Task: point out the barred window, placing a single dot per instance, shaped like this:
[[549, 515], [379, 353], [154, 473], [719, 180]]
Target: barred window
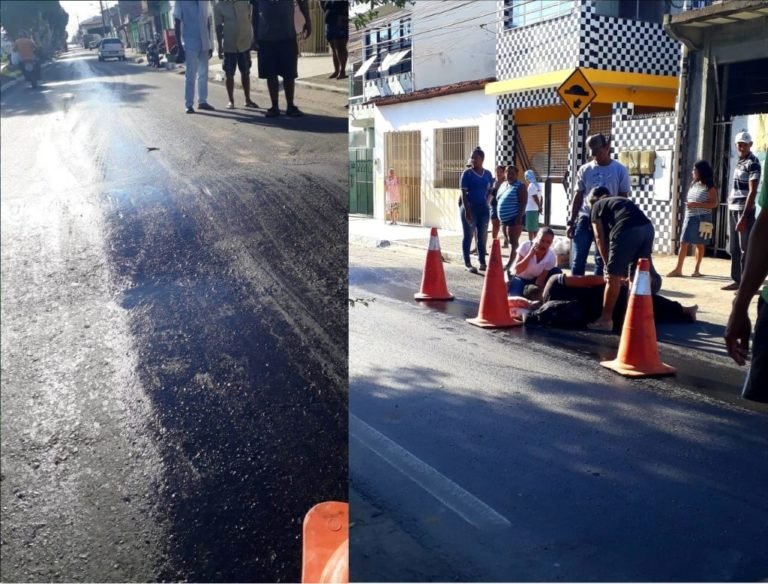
[[452, 149]]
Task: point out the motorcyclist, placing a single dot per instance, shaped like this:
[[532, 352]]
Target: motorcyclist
[[27, 51]]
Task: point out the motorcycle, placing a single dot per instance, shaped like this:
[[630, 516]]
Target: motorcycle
[[31, 72], [153, 55]]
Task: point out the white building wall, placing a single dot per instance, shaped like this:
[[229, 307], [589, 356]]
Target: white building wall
[[439, 206], [449, 44]]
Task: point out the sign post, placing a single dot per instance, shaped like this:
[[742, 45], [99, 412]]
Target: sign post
[[576, 93]]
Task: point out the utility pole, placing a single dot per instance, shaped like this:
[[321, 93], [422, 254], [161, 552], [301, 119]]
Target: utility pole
[[103, 21]]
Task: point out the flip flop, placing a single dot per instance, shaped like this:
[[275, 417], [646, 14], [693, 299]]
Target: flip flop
[[675, 274], [697, 275], [600, 326], [252, 105]]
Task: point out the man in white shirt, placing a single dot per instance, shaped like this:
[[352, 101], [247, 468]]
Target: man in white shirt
[[193, 22], [602, 171]]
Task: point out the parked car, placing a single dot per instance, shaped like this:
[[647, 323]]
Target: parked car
[[111, 49]]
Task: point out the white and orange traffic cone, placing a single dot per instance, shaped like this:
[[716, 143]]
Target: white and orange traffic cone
[[638, 349], [433, 285], [325, 556], [494, 308]]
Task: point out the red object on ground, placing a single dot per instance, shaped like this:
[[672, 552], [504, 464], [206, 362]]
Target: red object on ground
[[638, 349], [325, 556], [433, 285], [494, 307]]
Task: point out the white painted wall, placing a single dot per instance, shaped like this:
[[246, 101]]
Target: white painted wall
[[449, 44], [439, 206]]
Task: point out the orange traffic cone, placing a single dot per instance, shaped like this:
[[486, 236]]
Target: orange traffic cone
[[638, 350], [494, 309], [433, 286], [326, 544]]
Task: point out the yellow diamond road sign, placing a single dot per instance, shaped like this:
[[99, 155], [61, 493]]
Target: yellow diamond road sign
[[576, 92]]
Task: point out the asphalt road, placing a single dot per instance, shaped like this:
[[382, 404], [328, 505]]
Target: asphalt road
[[174, 326], [481, 455]]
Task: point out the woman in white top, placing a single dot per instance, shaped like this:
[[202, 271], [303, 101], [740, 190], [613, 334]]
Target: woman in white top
[[697, 225], [533, 207], [535, 263]]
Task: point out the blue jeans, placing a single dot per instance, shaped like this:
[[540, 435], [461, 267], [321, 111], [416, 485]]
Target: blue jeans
[[582, 242], [517, 285], [481, 215]]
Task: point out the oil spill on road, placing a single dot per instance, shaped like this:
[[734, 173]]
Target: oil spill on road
[[250, 433]]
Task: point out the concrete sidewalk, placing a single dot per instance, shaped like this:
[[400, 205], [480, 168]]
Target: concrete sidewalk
[[714, 304], [314, 71]]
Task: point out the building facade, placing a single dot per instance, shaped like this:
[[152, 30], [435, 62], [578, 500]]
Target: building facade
[[632, 66], [418, 106], [726, 87]]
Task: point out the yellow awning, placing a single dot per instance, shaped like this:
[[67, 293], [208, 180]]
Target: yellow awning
[[608, 84]]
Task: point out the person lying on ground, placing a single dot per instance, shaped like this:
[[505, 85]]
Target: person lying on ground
[[534, 264], [575, 301]]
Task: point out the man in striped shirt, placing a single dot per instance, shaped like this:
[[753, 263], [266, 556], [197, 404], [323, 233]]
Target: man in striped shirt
[[741, 206]]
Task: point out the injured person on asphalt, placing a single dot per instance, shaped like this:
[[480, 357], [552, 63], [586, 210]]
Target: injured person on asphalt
[[574, 301]]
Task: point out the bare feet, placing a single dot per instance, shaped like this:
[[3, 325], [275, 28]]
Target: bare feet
[[675, 274], [601, 325], [690, 311], [697, 274]]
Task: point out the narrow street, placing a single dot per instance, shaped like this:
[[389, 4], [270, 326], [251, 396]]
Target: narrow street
[[174, 325], [511, 455]]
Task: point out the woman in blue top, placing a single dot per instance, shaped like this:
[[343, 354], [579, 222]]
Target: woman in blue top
[[513, 197], [475, 210]]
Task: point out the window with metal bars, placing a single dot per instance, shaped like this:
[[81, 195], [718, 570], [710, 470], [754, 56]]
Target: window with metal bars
[[452, 149]]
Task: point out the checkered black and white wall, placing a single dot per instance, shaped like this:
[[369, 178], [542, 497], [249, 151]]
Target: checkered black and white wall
[[655, 133]]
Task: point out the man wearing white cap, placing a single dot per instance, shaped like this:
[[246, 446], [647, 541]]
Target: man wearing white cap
[[741, 206]]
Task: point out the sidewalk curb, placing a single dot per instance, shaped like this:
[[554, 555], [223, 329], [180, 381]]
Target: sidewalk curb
[[448, 256], [15, 82], [213, 73]]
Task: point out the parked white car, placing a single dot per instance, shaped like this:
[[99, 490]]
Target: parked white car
[[111, 49]]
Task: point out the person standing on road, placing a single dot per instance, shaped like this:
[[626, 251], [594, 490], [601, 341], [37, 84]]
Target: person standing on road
[[533, 208], [337, 34], [741, 206], [194, 28], [739, 327], [535, 263], [501, 177], [234, 37], [275, 36], [513, 197], [602, 171], [392, 195], [475, 210], [697, 225], [623, 235]]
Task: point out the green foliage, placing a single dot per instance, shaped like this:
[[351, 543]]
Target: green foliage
[[46, 20], [362, 19]]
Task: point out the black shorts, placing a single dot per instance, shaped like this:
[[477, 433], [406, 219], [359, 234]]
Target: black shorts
[[278, 58], [234, 61], [756, 385]]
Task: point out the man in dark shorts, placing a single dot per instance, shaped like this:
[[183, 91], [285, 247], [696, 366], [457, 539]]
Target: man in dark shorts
[[275, 36], [623, 235], [234, 37]]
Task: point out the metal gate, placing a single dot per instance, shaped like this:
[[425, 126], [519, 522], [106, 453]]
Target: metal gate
[[544, 148], [361, 181], [403, 153]]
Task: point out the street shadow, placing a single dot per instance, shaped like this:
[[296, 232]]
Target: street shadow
[[54, 96], [675, 293], [699, 336], [570, 465], [310, 123]]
